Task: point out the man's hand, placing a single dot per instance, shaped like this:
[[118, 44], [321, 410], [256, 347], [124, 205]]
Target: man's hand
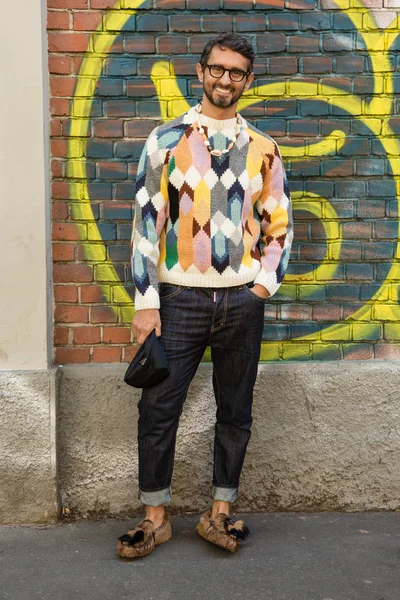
[[144, 322], [260, 290]]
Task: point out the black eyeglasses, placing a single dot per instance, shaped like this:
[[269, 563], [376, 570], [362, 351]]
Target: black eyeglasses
[[235, 75]]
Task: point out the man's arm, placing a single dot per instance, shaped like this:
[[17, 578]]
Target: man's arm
[[150, 216], [275, 209]]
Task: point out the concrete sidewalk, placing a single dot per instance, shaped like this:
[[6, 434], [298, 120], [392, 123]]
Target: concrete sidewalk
[[327, 556]]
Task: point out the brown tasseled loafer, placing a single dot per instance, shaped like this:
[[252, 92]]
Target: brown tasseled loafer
[[143, 539], [222, 531]]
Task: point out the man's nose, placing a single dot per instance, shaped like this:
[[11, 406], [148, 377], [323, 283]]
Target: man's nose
[[225, 79]]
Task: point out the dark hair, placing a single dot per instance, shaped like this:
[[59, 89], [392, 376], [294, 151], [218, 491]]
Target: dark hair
[[234, 42]]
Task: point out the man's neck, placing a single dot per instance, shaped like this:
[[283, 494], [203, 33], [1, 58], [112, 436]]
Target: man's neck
[[214, 112]]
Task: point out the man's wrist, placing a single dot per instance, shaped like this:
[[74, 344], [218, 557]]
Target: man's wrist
[[260, 290]]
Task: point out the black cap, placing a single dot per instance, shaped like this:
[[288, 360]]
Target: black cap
[[149, 366]]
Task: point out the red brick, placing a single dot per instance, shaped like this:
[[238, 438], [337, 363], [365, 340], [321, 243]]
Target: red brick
[[197, 43], [82, 4], [55, 126], [238, 4], [60, 190], [57, 20], [59, 107], [57, 168], [86, 21], [62, 86], [65, 293], [58, 147], [106, 355], [387, 351], [129, 352], [350, 309], [77, 62], [343, 83], [68, 42], [109, 128], [303, 43], [65, 356], [66, 127], [168, 44], [327, 312], [283, 65], [301, 233], [112, 170], [357, 230], [296, 312], [312, 251], [59, 210], [263, 4], [65, 231], [72, 273], [86, 335], [102, 3], [136, 89], [60, 335], [358, 352], [61, 65], [342, 169], [65, 313], [63, 252], [91, 293], [117, 46], [80, 255], [116, 335], [139, 128], [169, 4], [100, 314], [317, 64], [133, 169], [300, 4], [142, 44]]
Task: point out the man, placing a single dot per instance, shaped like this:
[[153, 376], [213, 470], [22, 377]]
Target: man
[[211, 243]]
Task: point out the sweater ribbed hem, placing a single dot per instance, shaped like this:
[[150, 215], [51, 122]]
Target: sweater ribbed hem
[[152, 299], [210, 279]]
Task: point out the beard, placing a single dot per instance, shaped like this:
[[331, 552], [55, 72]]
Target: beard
[[222, 101]]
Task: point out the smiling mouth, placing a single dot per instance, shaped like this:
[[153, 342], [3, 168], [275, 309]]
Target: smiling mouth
[[223, 91]]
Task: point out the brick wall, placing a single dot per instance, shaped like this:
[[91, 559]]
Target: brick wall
[[327, 74]]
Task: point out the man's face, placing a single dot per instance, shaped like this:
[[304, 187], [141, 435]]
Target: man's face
[[223, 92]]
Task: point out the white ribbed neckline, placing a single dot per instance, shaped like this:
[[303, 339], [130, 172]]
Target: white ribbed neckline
[[218, 124]]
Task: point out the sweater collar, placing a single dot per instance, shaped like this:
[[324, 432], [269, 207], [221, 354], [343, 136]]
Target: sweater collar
[[213, 124]]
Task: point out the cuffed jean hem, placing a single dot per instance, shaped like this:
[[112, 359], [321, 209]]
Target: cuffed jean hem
[[155, 498], [225, 494]]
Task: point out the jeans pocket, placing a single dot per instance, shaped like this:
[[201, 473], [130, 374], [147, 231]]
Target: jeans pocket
[[169, 290], [253, 295]]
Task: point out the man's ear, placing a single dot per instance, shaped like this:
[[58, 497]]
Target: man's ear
[[249, 81], [200, 72]]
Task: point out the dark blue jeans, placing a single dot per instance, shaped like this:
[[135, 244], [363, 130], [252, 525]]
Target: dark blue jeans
[[230, 321]]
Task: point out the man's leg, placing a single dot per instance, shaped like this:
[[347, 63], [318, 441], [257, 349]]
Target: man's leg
[[235, 349], [185, 325]]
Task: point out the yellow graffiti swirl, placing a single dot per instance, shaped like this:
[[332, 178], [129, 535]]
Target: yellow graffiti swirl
[[173, 104]]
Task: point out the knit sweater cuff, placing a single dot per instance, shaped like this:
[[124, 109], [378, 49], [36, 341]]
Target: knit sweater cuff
[[150, 299], [268, 280]]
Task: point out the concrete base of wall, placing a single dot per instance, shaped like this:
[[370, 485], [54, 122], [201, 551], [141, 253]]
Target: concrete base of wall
[[325, 437], [28, 477]]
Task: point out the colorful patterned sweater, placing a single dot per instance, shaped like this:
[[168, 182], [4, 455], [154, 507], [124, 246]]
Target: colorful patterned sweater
[[209, 221]]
